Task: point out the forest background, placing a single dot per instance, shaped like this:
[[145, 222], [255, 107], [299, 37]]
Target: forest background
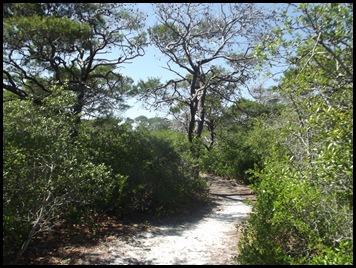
[[69, 156]]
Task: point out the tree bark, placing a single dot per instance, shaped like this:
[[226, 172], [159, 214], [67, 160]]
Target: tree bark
[[78, 108]]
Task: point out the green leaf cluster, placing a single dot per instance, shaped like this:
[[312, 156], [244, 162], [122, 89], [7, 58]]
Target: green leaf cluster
[[304, 208], [157, 180], [239, 145], [47, 174]]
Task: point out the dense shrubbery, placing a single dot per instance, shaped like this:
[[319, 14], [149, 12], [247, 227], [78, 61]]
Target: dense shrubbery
[[158, 178], [304, 208], [233, 156], [238, 146], [49, 175], [57, 167]]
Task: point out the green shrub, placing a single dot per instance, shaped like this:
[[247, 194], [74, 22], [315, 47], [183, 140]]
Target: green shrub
[[46, 173], [233, 155], [293, 220], [303, 213], [158, 178]]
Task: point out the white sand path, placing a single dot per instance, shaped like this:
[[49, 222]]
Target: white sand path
[[208, 238]]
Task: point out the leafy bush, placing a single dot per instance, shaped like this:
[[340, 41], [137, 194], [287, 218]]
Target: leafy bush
[[304, 208], [294, 221], [238, 143], [234, 155], [303, 213], [158, 178], [46, 173]]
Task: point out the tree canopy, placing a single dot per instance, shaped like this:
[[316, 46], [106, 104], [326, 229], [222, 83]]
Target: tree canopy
[[66, 44]]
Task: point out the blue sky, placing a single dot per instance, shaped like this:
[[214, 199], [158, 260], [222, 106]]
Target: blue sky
[[150, 65]]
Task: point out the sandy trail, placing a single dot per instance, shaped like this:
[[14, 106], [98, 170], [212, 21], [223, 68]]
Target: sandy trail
[[208, 237], [205, 235]]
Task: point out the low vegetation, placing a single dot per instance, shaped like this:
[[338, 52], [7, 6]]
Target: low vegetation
[[67, 157], [108, 168]]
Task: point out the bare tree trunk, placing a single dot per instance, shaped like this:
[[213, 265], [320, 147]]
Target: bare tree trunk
[[200, 112], [78, 108], [191, 122]]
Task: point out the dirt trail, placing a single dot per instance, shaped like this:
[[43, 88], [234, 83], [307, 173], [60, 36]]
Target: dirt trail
[[207, 236]]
